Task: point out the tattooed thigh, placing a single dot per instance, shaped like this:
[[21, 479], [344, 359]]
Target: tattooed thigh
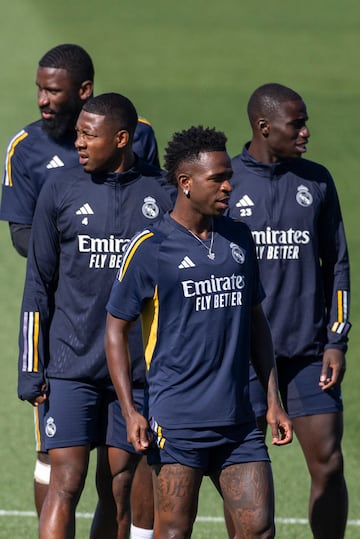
[[176, 489], [248, 493]]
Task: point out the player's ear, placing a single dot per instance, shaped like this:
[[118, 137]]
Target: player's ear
[[263, 126], [86, 90], [122, 138], [183, 181]]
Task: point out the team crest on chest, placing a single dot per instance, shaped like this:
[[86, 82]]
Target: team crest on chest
[[150, 209], [238, 253], [303, 196]]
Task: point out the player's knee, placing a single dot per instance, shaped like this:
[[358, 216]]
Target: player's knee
[[328, 469], [121, 487], [176, 526], [42, 472]]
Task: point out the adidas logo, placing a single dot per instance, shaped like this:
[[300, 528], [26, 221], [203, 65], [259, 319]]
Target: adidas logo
[[186, 263], [244, 202], [85, 210], [55, 162]]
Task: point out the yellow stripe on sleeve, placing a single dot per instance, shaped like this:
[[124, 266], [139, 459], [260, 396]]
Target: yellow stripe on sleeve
[[143, 120], [36, 341], [340, 306], [8, 176], [150, 319], [131, 251]]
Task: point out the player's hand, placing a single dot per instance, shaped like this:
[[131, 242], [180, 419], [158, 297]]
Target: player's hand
[[139, 434], [333, 368], [280, 425], [40, 398]]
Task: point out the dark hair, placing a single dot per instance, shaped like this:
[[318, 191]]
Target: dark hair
[[116, 108], [71, 57], [188, 144], [266, 99]]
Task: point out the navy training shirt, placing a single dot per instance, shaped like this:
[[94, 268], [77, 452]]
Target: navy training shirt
[[196, 316], [81, 228]]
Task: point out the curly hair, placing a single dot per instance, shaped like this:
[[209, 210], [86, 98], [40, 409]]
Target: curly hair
[[116, 108], [266, 99], [71, 57], [188, 144]]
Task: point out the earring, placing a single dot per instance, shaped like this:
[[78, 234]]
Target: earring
[[186, 193]]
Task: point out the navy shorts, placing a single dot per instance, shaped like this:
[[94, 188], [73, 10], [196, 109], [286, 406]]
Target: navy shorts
[[299, 388], [76, 413], [116, 432], [209, 449]]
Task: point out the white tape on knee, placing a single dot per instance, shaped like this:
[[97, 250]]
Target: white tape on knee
[[140, 533], [42, 473]]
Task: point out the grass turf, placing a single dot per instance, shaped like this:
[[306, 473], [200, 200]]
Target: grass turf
[[183, 64]]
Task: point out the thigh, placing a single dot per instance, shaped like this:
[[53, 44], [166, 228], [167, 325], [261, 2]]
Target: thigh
[[69, 467], [248, 493], [122, 461], [319, 436], [176, 492], [73, 414], [142, 499]]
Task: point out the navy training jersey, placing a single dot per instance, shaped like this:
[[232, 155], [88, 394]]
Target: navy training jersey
[[32, 157], [293, 211], [196, 316], [82, 225]]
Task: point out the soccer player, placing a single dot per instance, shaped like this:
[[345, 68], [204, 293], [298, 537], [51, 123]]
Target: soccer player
[[292, 208], [193, 278], [83, 221], [65, 79]]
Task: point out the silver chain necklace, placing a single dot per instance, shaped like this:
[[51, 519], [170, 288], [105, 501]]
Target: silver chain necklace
[[211, 254]]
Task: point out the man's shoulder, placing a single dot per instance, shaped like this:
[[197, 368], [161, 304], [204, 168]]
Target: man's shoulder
[[62, 180], [144, 125], [308, 166], [149, 170], [233, 227], [28, 135], [33, 136], [157, 232]]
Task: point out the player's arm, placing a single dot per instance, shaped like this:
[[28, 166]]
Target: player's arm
[[336, 284], [118, 360], [38, 301], [264, 364], [20, 237], [19, 192]]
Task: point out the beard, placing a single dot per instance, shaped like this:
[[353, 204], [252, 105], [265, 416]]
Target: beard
[[64, 120]]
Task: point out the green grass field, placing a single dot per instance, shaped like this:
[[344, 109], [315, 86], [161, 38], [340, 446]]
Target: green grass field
[[185, 63]]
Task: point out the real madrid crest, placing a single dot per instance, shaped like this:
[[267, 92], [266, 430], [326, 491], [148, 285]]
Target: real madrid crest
[[303, 196], [150, 209], [50, 428], [238, 253]]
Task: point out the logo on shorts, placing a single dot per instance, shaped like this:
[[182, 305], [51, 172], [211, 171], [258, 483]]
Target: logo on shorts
[[150, 209], [50, 428], [238, 253], [159, 439], [303, 196]]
